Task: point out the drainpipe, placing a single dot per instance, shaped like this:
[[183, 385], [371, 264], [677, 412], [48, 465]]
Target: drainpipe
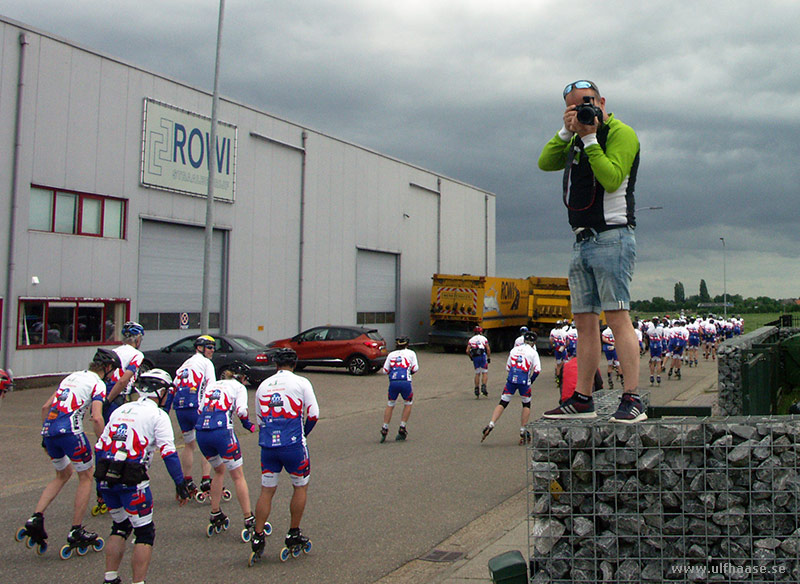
[[304, 138], [12, 214]]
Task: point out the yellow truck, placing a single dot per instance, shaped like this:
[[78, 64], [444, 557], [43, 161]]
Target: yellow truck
[[500, 306]]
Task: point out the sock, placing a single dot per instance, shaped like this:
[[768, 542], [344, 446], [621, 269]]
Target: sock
[[206, 477], [386, 426], [581, 397], [491, 424], [110, 576], [402, 424]]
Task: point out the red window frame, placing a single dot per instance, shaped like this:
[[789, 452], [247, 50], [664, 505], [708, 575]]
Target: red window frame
[[81, 197], [107, 302]]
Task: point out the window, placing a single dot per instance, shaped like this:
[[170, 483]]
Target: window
[[76, 213], [70, 321]]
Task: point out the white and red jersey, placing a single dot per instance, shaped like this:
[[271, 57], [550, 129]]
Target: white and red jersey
[[607, 336], [572, 335], [284, 402], [134, 431], [400, 365], [131, 359], [478, 344], [523, 364], [558, 338], [73, 397], [219, 403], [655, 333], [190, 381]]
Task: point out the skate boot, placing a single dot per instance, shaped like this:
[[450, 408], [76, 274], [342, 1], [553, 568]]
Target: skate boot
[[192, 488], [658, 380], [524, 437], [484, 391], [477, 392], [33, 533], [669, 375], [204, 493], [402, 434], [257, 544], [100, 507], [217, 523], [249, 527], [114, 581], [610, 383], [81, 540], [384, 433], [678, 374], [294, 544], [486, 431], [652, 380]]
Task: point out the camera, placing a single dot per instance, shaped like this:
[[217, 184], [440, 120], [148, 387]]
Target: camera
[[588, 112]]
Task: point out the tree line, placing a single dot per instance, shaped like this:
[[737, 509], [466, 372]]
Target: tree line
[[736, 303]]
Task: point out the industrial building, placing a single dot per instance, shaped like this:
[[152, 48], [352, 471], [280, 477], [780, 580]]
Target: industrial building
[[104, 175]]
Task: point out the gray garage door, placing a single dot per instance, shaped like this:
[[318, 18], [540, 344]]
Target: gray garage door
[[376, 292], [171, 281]]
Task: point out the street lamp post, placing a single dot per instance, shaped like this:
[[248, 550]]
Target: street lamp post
[[724, 280]]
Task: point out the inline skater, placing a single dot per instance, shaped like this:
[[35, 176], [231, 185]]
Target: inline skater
[[680, 337], [121, 380], [694, 341], [655, 334], [287, 412], [191, 379], [610, 351], [480, 353], [68, 448], [400, 365], [6, 383], [523, 366], [219, 403], [125, 451], [558, 343]]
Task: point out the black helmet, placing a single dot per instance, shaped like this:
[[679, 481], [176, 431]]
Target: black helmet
[[529, 337], [284, 356], [401, 341], [205, 341], [238, 369], [106, 357]]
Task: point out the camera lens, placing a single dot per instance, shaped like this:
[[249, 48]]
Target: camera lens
[[586, 115]]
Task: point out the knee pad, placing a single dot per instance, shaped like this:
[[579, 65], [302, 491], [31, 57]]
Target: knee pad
[[145, 534], [526, 404], [391, 403], [503, 403], [122, 529]]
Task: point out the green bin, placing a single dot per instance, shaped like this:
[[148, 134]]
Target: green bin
[[509, 568], [791, 360]]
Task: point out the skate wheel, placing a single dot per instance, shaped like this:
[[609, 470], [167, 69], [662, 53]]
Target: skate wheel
[[297, 550], [307, 547], [251, 561], [82, 551], [41, 548], [65, 553], [210, 530], [226, 495], [285, 553], [267, 528], [227, 523], [95, 511], [245, 535], [200, 497], [20, 535], [29, 543], [217, 529], [99, 544]]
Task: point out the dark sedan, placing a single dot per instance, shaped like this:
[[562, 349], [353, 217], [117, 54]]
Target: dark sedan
[[230, 348]]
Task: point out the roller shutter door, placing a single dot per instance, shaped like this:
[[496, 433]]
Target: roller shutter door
[[171, 281], [376, 292]]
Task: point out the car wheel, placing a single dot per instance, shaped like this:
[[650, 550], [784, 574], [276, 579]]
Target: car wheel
[[358, 365]]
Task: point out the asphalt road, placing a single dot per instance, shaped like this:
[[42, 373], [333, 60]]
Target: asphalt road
[[372, 507]]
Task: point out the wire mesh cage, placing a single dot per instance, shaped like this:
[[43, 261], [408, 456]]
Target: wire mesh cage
[[669, 500]]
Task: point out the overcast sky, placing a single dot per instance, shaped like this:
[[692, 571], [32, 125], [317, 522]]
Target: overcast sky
[[472, 90]]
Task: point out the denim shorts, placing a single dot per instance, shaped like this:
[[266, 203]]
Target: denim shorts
[[601, 270]]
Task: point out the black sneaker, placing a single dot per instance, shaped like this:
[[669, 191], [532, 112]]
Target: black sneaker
[[630, 410], [572, 408]]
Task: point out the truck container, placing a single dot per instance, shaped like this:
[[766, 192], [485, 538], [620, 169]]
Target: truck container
[[499, 305]]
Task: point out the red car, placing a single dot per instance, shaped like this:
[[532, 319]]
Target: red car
[[359, 349]]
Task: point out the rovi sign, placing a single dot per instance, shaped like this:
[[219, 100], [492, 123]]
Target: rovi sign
[[175, 152]]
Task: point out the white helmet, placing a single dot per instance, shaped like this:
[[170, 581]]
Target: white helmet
[[153, 383]]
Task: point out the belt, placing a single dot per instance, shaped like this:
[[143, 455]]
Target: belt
[[584, 233]]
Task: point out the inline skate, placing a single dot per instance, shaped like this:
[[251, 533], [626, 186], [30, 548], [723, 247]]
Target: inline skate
[[100, 507], [33, 533], [257, 544], [217, 523], [524, 438], [294, 544], [384, 433], [486, 431], [81, 540], [402, 434], [203, 495], [250, 528]]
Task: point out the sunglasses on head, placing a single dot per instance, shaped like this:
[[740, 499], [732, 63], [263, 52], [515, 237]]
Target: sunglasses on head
[[583, 84]]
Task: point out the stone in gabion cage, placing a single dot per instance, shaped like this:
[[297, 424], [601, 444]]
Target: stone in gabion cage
[[672, 500]]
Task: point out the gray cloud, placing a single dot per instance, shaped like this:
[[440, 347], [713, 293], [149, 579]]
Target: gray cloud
[[472, 90]]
